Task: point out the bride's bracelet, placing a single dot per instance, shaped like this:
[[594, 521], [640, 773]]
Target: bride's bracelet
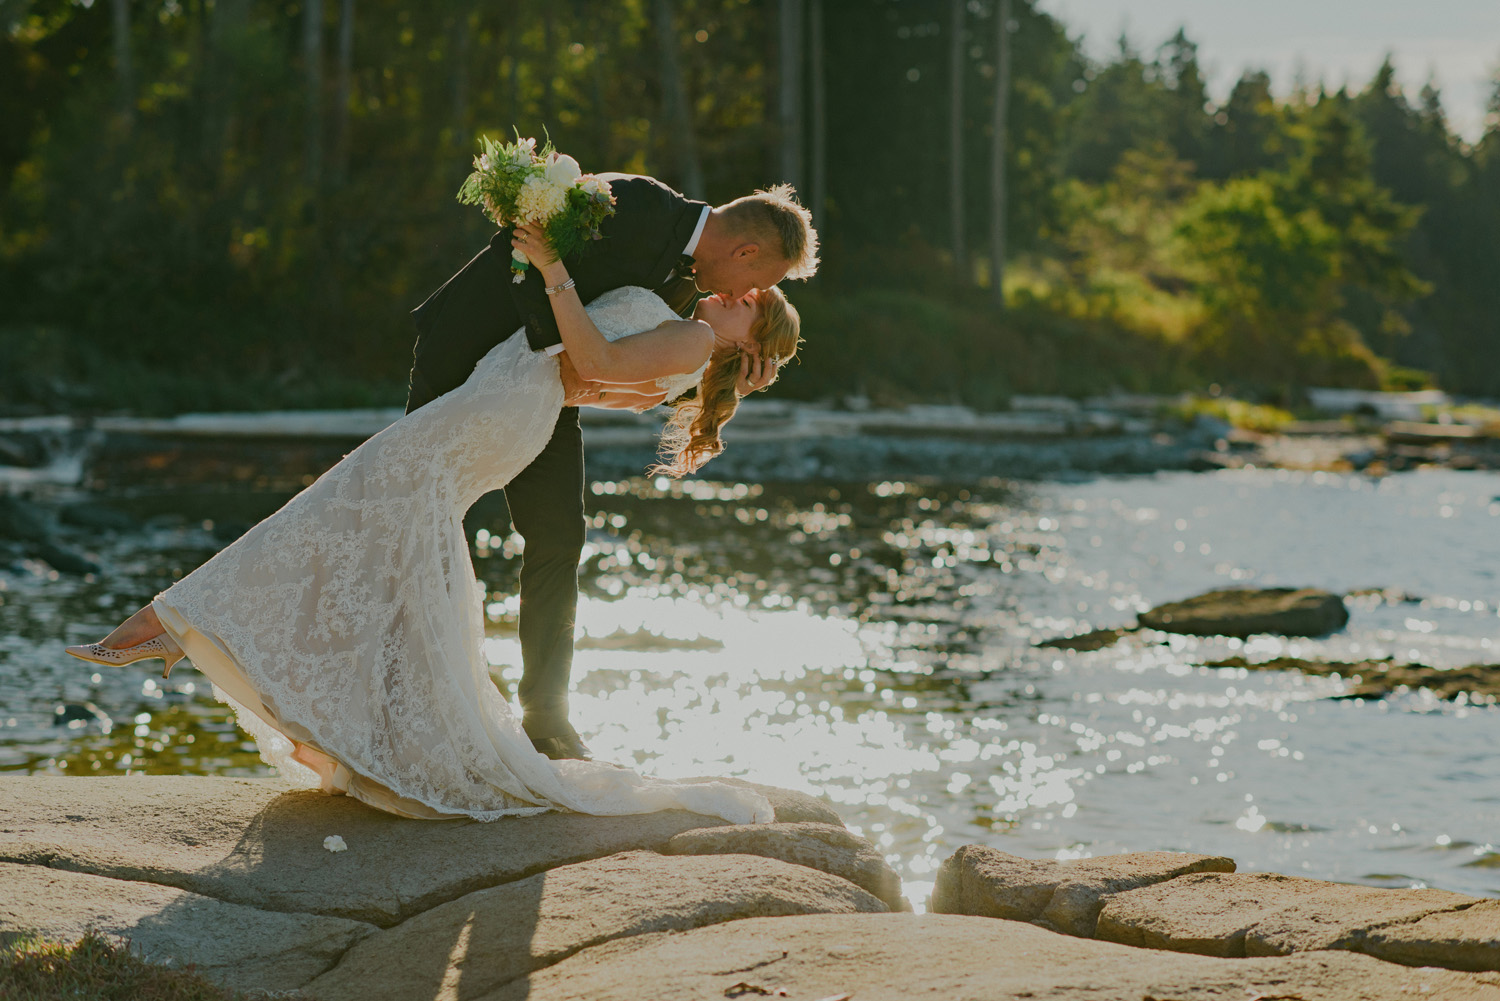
[[557, 289]]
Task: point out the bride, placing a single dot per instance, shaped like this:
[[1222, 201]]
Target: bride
[[345, 630]]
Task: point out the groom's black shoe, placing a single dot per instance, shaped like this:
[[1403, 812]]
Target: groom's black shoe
[[555, 738], [566, 746]]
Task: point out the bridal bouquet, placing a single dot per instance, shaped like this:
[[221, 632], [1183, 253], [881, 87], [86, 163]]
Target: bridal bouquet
[[514, 182]]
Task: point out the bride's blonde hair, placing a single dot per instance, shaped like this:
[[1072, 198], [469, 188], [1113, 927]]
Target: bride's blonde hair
[[691, 435]]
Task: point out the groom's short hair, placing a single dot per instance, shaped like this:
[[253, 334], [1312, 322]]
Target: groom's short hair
[[774, 218]]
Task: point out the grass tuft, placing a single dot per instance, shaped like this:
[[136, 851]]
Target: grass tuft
[[1238, 413], [96, 968]]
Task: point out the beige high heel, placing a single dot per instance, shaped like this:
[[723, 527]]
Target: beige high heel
[[162, 646]]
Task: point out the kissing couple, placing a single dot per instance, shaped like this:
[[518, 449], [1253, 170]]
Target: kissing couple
[[345, 630]]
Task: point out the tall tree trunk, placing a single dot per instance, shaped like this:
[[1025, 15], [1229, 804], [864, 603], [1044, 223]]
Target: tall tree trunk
[[678, 111], [312, 64], [997, 153], [819, 192], [345, 78], [549, 66], [789, 94], [124, 64], [513, 70], [226, 24], [602, 145], [956, 63], [458, 120]]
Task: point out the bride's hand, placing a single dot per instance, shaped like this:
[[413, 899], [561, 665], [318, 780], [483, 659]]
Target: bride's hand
[[532, 241]]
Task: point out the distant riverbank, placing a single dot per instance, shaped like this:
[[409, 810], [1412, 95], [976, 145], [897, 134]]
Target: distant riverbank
[[781, 440]]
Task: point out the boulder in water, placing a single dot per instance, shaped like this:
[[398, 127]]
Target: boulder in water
[[1283, 611]]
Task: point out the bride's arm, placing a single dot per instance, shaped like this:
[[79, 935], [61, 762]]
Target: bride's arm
[[675, 346], [625, 398]]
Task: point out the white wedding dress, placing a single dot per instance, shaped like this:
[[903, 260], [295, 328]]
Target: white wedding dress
[[345, 630]]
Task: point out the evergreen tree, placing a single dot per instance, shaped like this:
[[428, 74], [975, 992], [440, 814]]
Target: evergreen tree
[[1247, 130], [1282, 252]]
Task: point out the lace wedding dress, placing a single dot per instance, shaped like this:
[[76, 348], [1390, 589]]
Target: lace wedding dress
[[345, 630]]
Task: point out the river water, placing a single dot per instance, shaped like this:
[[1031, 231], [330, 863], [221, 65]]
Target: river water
[[874, 643]]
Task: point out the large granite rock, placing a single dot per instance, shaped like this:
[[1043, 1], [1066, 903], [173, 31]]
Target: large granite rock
[[239, 947], [1067, 896], [1262, 914], [820, 846], [231, 875], [1243, 612], [490, 938], [874, 957], [1467, 939], [250, 841]]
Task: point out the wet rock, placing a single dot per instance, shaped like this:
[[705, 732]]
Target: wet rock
[[1375, 679], [254, 842], [23, 520], [487, 939], [1096, 640], [63, 559], [1244, 612], [864, 456], [819, 846], [239, 947], [85, 713], [1389, 595], [1208, 427], [1459, 940], [97, 517], [25, 451], [1206, 461], [1261, 914], [227, 530], [883, 956], [1068, 896]]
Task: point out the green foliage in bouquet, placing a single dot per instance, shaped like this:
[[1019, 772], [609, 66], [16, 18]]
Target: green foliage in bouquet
[[516, 182]]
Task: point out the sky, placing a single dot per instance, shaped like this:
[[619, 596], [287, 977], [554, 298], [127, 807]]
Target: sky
[[1454, 42]]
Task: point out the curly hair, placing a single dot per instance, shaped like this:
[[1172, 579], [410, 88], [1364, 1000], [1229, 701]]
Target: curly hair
[[691, 435]]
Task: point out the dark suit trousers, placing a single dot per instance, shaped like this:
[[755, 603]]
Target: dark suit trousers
[[546, 508]]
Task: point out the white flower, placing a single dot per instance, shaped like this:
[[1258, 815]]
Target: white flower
[[540, 200], [596, 187], [334, 843], [485, 163], [562, 169], [523, 153]]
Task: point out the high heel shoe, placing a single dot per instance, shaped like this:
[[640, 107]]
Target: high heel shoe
[[161, 646]]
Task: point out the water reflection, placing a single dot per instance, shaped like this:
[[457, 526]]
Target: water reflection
[[874, 643]]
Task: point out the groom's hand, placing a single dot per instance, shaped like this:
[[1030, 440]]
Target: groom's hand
[[577, 391], [756, 373]]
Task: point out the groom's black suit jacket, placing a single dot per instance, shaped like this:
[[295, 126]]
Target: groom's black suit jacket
[[477, 308]]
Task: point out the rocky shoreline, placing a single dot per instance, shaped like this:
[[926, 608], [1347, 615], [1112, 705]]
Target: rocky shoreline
[[231, 876], [1284, 611], [771, 439]]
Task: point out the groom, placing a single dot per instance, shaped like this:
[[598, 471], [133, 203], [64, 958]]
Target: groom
[[656, 239]]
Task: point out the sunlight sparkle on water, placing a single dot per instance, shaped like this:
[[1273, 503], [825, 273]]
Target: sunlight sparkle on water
[[874, 644], [684, 688]]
